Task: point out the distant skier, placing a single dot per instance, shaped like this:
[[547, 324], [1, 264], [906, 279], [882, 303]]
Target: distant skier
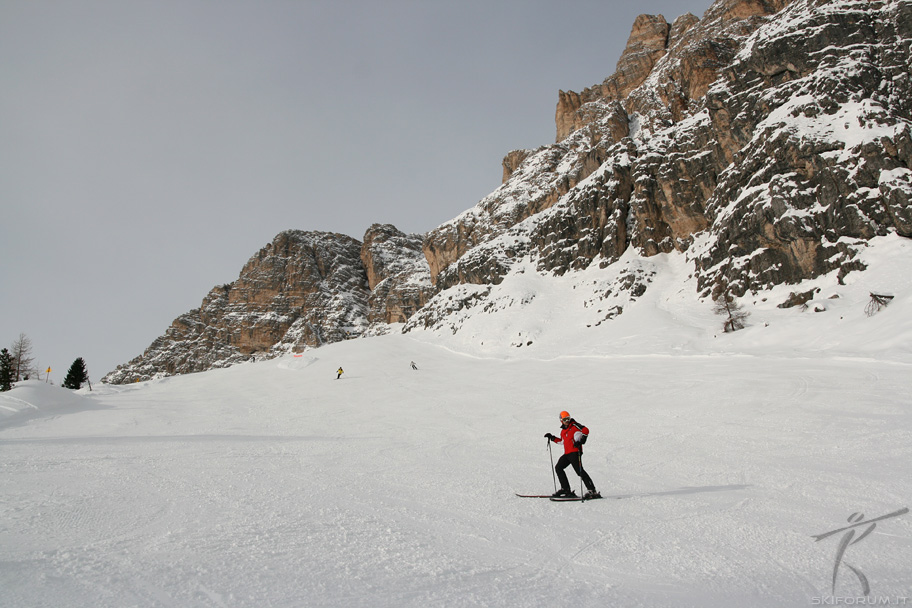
[[573, 435], [339, 373], [414, 367]]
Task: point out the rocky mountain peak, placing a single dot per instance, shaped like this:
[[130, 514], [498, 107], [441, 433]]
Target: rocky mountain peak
[[698, 49], [303, 289]]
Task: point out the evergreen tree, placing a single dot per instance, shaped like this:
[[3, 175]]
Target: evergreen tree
[[76, 375], [6, 370]]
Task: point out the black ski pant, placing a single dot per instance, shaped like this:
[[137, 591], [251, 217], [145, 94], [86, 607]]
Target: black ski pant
[[568, 460]]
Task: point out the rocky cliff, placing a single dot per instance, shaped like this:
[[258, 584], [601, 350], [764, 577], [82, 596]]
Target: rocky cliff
[[765, 141], [304, 289]]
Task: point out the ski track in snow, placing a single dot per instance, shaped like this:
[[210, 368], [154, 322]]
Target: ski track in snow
[[274, 484]]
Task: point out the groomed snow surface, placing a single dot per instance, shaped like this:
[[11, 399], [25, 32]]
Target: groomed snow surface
[[275, 484]]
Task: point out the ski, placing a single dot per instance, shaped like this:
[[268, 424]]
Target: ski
[[573, 498], [563, 498]]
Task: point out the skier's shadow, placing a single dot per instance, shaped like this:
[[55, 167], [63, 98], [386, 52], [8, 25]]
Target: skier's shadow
[[684, 491]]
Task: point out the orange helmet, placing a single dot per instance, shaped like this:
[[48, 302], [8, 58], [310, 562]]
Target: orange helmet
[[564, 415]]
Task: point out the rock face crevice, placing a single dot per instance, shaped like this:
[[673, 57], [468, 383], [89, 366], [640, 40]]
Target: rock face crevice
[[398, 274], [767, 141]]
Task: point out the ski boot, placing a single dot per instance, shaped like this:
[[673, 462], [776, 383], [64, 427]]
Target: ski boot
[[562, 493]]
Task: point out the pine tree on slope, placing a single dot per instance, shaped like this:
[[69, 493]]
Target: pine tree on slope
[[6, 370], [76, 375]]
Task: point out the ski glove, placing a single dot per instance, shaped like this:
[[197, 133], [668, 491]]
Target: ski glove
[[549, 436], [579, 438]]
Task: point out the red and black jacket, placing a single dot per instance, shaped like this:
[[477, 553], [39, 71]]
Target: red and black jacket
[[567, 435]]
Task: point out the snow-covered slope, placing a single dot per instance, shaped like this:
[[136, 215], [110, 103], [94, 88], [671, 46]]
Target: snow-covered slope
[[274, 484], [541, 316]]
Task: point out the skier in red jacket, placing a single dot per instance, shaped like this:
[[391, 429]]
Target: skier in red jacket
[[573, 435]]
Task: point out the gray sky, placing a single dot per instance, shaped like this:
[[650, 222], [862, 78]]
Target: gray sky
[[149, 148]]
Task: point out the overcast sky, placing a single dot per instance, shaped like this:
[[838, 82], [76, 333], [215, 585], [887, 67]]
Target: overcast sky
[[149, 148]]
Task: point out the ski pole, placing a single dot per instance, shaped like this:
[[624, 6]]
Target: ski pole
[[581, 472], [553, 477]]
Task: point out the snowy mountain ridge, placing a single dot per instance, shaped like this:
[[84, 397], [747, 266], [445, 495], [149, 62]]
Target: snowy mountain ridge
[[767, 143]]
